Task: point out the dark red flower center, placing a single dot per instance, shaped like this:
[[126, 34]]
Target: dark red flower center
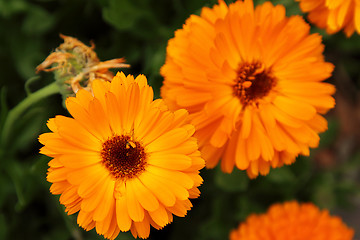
[[123, 157], [253, 82]]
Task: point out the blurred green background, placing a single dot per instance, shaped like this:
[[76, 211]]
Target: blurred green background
[[139, 30]]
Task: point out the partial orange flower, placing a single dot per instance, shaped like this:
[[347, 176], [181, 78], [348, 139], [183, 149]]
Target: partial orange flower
[[76, 66], [293, 221], [333, 15], [123, 161], [252, 81]]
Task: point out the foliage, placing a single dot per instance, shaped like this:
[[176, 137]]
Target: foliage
[[139, 30]]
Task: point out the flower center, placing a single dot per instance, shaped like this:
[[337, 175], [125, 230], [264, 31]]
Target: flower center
[[123, 157], [253, 82]]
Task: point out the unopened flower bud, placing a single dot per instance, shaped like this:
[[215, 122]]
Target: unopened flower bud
[[76, 66]]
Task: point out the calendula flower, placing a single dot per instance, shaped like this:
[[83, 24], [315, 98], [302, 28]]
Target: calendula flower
[[123, 161], [293, 221], [333, 15], [77, 65], [252, 81]]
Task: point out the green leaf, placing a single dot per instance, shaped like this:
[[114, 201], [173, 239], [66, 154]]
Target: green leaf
[[5, 189], [38, 21], [8, 8], [26, 54], [323, 193], [329, 136], [4, 107], [246, 207], [3, 226], [234, 182], [28, 128], [16, 173], [123, 14], [281, 175]]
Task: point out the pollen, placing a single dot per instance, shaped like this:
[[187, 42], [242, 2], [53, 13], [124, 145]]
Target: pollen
[[253, 82], [123, 157]]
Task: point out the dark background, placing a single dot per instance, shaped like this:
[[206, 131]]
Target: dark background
[[139, 30]]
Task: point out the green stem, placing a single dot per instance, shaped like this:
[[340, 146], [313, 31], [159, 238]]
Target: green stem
[[16, 112]]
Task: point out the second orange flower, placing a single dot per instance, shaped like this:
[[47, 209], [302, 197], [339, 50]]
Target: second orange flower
[[252, 81], [333, 15], [291, 221]]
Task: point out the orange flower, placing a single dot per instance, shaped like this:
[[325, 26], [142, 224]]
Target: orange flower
[[252, 83], [292, 221], [124, 161], [333, 15]]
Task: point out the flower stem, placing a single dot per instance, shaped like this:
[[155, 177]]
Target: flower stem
[[18, 110]]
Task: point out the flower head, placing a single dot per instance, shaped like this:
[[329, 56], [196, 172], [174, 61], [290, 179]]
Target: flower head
[[292, 221], [77, 65], [252, 81], [123, 161], [333, 15]]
